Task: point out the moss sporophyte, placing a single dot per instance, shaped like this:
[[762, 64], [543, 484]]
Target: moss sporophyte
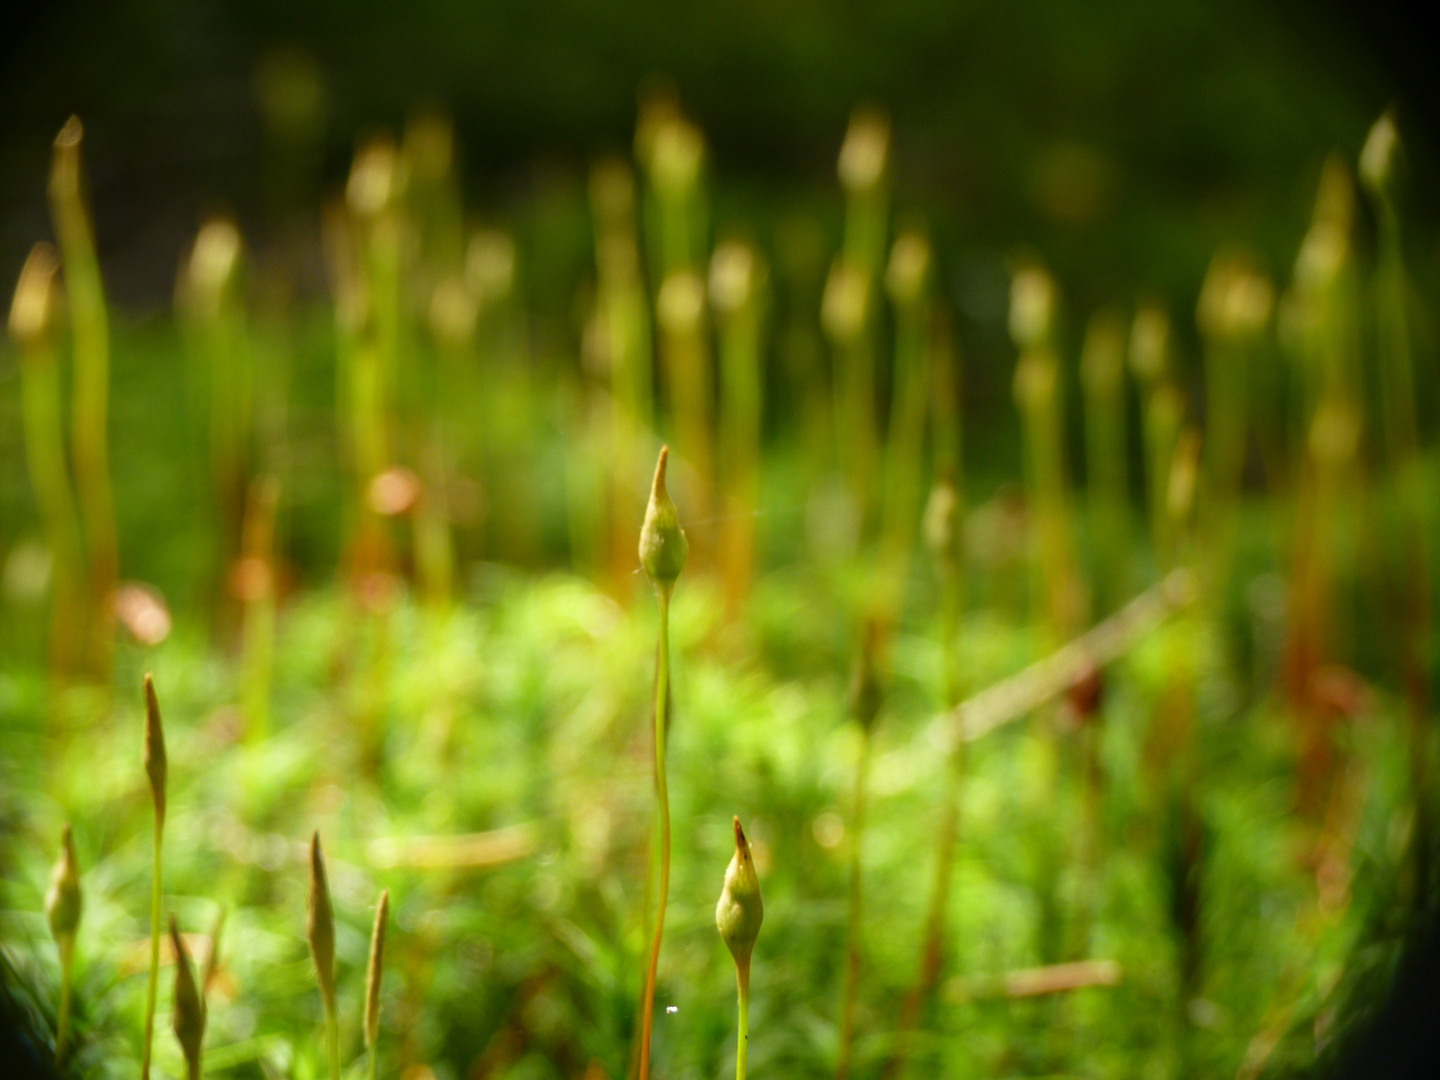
[[738, 916], [663, 549]]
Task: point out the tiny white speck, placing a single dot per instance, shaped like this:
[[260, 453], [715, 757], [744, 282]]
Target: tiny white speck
[[672, 1008]]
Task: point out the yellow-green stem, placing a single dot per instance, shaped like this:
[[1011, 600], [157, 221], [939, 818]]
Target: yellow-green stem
[[854, 918], [332, 1040], [62, 1022], [90, 334], [742, 981], [662, 799], [153, 985]]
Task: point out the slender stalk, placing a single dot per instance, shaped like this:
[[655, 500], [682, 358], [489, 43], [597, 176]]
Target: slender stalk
[[373, 971], [1102, 373], [62, 1021], [153, 983], [90, 333], [737, 278], [320, 930], [156, 768], [662, 802], [33, 315], [854, 915], [742, 1040], [1397, 399], [738, 916], [63, 904], [663, 551]]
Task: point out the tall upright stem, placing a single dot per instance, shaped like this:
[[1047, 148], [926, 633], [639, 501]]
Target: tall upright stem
[[62, 1022], [154, 983], [332, 1040], [662, 798], [853, 918], [742, 980]]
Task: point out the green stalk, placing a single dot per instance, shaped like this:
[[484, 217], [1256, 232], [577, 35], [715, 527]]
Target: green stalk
[[742, 1039], [662, 802], [62, 1021], [33, 315], [1102, 373], [1397, 398], [854, 915], [663, 551], [906, 279], [736, 278], [256, 585], [89, 328], [866, 698], [155, 769], [63, 905]]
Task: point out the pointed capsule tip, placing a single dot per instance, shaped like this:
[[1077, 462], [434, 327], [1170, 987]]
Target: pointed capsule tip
[[657, 487], [71, 133]]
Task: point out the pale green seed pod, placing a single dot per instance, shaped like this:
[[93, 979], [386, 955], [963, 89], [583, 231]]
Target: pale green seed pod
[[155, 762], [375, 968], [663, 547], [189, 1019], [740, 911], [320, 924], [62, 900]]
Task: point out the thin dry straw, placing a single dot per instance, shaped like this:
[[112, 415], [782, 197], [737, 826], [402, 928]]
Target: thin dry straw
[[90, 337], [1049, 677], [155, 770]]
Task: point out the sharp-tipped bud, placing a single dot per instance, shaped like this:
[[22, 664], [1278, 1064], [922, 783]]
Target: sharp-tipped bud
[[65, 161], [676, 156], [940, 525], [490, 265], [846, 301], [189, 1005], [732, 277], [1377, 159], [1149, 344], [1102, 362], [865, 150], [155, 765], [681, 302], [37, 294], [375, 178], [663, 546], [62, 899], [212, 958], [375, 968], [320, 924], [1184, 476], [740, 911], [1032, 306], [867, 691], [909, 269], [1235, 300]]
